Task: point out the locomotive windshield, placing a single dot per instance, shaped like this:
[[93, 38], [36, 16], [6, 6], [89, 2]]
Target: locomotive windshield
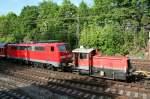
[[63, 48]]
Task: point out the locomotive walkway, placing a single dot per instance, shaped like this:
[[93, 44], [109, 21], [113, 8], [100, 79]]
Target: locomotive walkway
[[73, 85]]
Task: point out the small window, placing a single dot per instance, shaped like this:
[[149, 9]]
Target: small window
[[52, 48], [17, 47], [83, 56], [22, 47], [39, 48], [30, 48]]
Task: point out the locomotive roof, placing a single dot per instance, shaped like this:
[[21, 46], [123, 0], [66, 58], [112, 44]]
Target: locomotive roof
[[37, 44], [83, 50]]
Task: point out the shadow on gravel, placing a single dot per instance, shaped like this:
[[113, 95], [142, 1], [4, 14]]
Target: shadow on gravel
[[30, 92], [100, 87]]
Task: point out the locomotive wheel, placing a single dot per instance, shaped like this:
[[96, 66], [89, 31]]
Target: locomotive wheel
[[44, 66], [54, 68], [35, 65], [41, 65], [49, 67]]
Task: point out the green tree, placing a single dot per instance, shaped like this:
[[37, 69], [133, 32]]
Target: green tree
[[113, 26], [83, 13], [28, 22], [68, 22], [108, 39], [47, 20], [8, 27]]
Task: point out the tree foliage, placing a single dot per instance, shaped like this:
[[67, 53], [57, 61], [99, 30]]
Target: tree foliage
[[108, 39], [113, 26]]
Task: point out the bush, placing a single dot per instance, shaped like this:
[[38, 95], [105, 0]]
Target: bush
[[108, 39]]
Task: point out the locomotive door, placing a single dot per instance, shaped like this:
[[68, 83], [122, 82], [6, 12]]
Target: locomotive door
[[51, 53], [76, 61], [83, 60], [90, 58]]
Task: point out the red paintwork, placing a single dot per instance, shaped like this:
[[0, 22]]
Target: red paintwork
[[106, 62], [110, 62], [46, 55], [83, 62]]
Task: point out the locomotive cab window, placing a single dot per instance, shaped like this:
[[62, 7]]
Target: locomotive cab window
[[30, 48], [83, 56], [63, 48]]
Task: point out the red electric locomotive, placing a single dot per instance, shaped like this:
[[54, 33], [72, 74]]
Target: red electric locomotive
[[53, 54], [112, 67]]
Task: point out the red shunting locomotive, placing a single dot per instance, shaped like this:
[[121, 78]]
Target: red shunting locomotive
[[90, 61]]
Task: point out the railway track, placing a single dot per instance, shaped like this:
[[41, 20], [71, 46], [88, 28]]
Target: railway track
[[141, 64], [79, 86], [101, 86], [28, 87], [61, 86], [10, 90]]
